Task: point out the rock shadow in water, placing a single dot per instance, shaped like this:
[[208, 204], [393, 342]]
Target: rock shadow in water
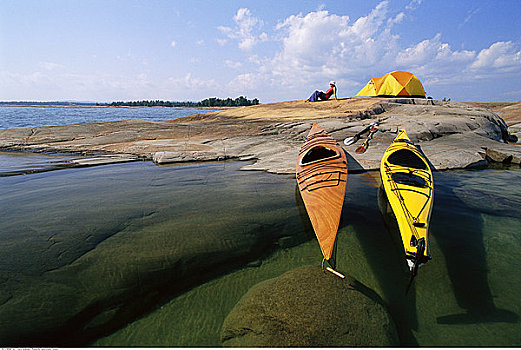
[[458, 230], [377, 238]]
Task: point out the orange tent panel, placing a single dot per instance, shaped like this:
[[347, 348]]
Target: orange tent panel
[[397, 83]]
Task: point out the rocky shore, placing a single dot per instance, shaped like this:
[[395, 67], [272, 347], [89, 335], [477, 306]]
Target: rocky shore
[[452, 135], [63, 287]]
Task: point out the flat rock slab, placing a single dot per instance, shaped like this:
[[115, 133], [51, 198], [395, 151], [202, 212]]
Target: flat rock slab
[[307, 307], [452, 135]]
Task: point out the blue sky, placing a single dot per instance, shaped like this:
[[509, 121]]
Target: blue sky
[[107, 50]]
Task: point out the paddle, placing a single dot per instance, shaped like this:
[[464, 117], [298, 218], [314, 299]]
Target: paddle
[[350, 140], [364, 146], [333, 271]]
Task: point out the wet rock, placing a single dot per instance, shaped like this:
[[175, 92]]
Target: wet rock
[[103, 160], [307, 307], [178, 157], [271, 134]]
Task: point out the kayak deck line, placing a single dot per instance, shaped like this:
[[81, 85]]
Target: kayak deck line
[[306, 177], [396, 190]]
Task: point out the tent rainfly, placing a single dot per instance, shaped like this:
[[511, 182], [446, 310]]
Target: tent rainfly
[[397, 83]]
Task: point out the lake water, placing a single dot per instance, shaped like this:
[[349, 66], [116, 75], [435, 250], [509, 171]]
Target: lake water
[[23, 117], [140, 255]]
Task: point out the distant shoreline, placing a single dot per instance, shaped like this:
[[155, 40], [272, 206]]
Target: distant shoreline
[[108, 106], [209, 103]]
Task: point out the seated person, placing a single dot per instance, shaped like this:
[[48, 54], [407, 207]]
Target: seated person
[[324, 96]]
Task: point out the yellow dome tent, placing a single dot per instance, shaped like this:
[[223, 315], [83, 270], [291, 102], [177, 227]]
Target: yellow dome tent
[[397, 83]]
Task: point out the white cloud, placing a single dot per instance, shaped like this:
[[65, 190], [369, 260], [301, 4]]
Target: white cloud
[[245, 30], [188, 81], [500, 55], [420, 53], [233, 64], [62, 85], [309, 50], [413, 5], [49, 66], [242, 83], [319, 46], [397, 19], [469, 16]]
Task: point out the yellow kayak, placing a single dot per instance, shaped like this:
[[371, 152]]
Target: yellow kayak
[[407, 181]]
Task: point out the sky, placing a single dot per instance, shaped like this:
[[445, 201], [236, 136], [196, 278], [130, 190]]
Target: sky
[[273, 50]]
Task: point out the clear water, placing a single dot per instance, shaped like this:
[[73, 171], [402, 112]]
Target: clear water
[[23, 117], [140, 255], [17, 163]]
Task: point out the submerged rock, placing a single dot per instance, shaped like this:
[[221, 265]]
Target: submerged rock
[[86, 252], [308, 307]]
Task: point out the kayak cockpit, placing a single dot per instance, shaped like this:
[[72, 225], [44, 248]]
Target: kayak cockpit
[[407, 158], [409, 179], [319, 153]]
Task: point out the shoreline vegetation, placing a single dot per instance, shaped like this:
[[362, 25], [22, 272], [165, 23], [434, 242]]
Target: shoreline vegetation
[[240, 101]]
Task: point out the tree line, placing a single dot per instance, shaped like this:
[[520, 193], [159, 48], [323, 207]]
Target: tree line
[[209, 102]]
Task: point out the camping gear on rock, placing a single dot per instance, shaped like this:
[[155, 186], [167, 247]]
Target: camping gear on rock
[[365, 145], [322, 179], [397, 83], [350, 140], [407, 181]]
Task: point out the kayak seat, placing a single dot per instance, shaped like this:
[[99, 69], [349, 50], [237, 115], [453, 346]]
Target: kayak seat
[[409, 179], [319, 153], [407, 158]]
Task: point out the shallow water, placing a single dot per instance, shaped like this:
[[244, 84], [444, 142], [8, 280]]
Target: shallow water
[[17, 163], [158, 256], [23, 117]]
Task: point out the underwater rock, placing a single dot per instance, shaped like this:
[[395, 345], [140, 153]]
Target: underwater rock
[[308, 307], [486, 201], [86, 252]]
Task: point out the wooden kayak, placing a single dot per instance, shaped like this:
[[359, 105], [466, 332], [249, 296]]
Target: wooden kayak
[[322, 179], [407, 181]]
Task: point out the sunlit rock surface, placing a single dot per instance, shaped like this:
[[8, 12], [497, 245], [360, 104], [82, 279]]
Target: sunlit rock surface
[[452, 135]]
